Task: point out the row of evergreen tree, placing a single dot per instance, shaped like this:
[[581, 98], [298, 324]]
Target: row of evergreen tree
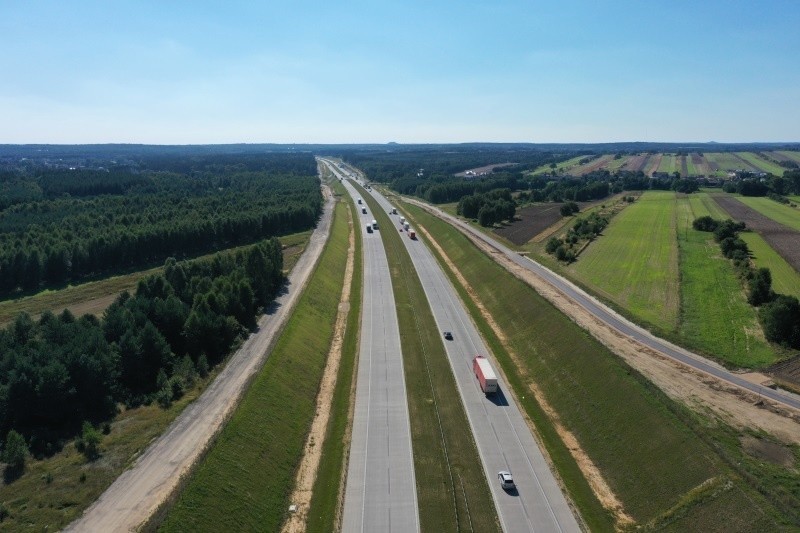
[[59, 371]]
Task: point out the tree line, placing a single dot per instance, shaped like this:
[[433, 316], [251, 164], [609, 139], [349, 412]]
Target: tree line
[[58, 372], [488, 208]]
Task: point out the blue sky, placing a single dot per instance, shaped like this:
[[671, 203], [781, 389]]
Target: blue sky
[[413, 71]]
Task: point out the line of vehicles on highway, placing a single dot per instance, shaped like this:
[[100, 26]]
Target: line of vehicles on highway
[[481, 367]]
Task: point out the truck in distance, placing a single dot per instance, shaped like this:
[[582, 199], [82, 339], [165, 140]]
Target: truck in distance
[[359, 200], [485, 374], [412, 235], [364, 210], [374, 224]]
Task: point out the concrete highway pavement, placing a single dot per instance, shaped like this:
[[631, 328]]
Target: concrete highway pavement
[[503, 438], [380, 493], [138, 493], [614, 320]]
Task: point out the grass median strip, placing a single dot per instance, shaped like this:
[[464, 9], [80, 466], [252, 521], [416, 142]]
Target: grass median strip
[[247, 476], [651, 451], [452, 490]]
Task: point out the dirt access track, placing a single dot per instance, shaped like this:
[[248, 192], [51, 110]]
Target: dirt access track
[[783, 240], [701, 391], [142, 490]]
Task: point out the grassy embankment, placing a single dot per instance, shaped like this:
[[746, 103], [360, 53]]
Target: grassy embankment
[[635, 262], [94, 296], [661, 460], [54, 490], [715, 316], [452, 490], [244, 481], [333, 461]]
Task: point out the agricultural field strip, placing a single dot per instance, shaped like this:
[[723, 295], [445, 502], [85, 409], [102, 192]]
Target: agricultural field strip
[[138, 493], [503, 438], [780, 213], [617, 322], [785, 279], [380, 493]]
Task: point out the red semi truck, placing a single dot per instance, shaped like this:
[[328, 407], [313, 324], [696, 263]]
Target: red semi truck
[[412, 234], [485, 374]]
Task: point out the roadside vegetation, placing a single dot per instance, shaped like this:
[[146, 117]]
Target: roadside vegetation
[[670, 467], [452, 489], [244, 481], [326, 501]]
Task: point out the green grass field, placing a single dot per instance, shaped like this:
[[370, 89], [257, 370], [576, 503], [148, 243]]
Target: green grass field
[[669, 164], [644, 444], [444, 452], [715, 316], [781, 213], [635, 262], [785, 279], [245, 479]]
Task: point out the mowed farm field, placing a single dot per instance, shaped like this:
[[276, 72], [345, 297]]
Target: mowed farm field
[[708, 164], [635, 263], [715, 316], [653, 265]]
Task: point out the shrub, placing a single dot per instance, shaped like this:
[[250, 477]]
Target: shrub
[[705, 223], [569, 208], [552, 244], [89, 442], [760, 285], [15, 451], [780, 319]]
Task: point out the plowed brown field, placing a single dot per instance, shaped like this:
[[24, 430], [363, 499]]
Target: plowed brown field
[[533, 220]]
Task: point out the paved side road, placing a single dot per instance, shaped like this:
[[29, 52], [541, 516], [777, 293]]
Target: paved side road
[[503, 439], [614, 320], [138, 493], [380, 493]]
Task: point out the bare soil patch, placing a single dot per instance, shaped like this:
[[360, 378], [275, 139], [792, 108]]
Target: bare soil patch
[[769, 451], [701, 164], [653, 162], [532, 220], [783, 240], [593, 165], [636, 162]]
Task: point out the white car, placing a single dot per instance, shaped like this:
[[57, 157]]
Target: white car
[[506, 480]]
